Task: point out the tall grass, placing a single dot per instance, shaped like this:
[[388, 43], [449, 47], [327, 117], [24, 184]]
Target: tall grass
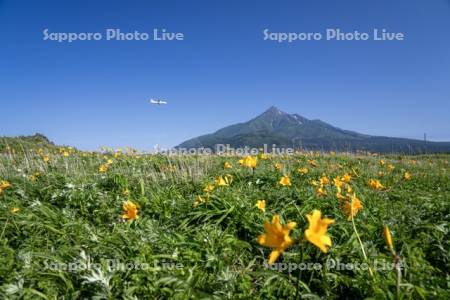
[[69, 212]]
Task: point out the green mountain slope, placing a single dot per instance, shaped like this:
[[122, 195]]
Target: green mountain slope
[[294, 131], [20, 143]]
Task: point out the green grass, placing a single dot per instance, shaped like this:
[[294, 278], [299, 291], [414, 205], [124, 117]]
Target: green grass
[[71, 213]]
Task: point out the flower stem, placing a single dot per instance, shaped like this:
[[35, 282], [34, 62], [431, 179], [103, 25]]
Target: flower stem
[[300, 271], [362, 246]]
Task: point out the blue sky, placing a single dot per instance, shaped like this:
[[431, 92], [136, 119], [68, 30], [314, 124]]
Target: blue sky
[[94, 93]]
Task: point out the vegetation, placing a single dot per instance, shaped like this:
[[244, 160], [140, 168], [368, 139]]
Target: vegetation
[[113, 225]]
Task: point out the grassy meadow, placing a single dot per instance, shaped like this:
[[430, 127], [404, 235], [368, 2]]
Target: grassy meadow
[[123, 225]]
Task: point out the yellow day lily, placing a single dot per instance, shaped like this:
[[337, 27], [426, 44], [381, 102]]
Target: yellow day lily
[[375, 184], [263, 156], [320, 191], [390, 168], [313, 163], [337, 182], [224, 180], [261, 205], [34, 177], [46, 158], [15, 210], [103, 168], [349, 188], [352, 207], [303, 170], [209, 188], [382, 162], [316, 232], [130, 211], [388, 238], [249, 161], [4, 185], [276, 236], [227, 165], [346, 178], [324, 180], [279, 166], [285, 181], [407, 176], [199, 200], [340, 196]]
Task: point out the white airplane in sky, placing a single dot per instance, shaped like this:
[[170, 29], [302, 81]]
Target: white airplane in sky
[[157, 101]]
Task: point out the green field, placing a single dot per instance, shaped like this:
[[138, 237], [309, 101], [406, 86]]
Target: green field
[[63, 235]]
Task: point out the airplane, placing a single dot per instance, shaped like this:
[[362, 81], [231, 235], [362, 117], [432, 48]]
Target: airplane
[[157, 101]]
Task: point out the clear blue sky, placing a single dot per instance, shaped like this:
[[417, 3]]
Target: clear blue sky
[[95, 93]]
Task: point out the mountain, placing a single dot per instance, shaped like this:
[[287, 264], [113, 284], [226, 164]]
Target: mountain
[[294, 131], [21, 143]]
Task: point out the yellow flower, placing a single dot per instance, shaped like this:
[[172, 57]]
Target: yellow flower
[[261, 205], [313, 163], [223, 181], [390, 168], [352, 207], [15, 210], [130, 211], [388, 238], [227, 165], [337, 182], [279, 166], [209, 188], [65, 153], [276, 236], [109, 161], [199, 200], [34, 177], [340, 196], [320, 191], [249, 162], [407, 176], [263, 156], [382, 162], [375, 184], [285, 181], [4, 185], [303, 170], [46, 158], [346, 178], [316, 233], [324, 180], [126, 192], [103, 168], [349, 188]]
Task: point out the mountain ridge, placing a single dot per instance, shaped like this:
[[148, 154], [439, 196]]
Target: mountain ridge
[[274, 126]]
